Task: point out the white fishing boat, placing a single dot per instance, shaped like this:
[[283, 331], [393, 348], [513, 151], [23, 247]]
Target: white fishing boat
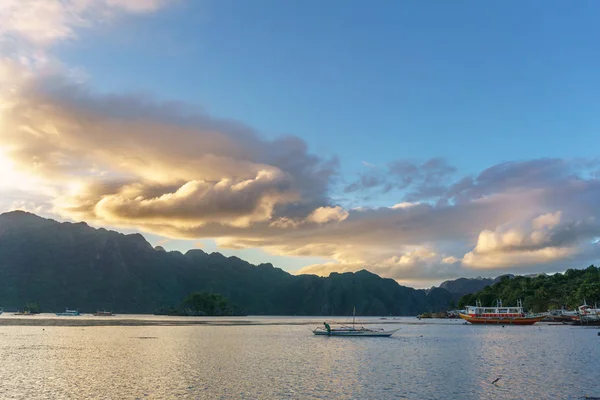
[[345, 330], [587, 313], [68, 313]]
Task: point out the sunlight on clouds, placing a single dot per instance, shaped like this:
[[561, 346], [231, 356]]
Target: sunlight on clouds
[[549, 220], [405, 204], [518, 258], [450, 260], [543, 240], [44, 22], [323, 215], [127, 161], [12, 178]]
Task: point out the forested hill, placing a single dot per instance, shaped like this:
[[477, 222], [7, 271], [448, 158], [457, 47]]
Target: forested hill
[[462, 286], [542, 292], [58, 265]]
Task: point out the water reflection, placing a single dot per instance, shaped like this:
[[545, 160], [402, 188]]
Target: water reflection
[[287, 361]]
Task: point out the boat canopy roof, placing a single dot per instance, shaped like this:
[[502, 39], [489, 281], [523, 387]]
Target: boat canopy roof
[[499, 309]]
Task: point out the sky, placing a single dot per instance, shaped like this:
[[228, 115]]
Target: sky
[[422, 141]]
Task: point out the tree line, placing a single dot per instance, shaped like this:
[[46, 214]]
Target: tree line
[[543, 292]]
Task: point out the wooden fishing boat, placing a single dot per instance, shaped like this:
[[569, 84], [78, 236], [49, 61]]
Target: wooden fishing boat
[[68, 313], [499, 315], [352, 331], [104, 314]]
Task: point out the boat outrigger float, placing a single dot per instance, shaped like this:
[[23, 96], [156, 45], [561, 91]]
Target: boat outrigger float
[[499, 315], [352, 330]]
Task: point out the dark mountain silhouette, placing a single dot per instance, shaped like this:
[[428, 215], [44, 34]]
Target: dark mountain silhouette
[[463, 286], [58, 265]]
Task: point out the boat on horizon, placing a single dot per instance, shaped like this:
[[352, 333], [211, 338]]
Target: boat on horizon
[[352, 331], [103, 314], [499, 315], [23, 312], [68, 313]]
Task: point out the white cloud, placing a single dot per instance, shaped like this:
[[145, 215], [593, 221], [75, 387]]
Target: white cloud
[[405, 204], [549, 220], [128, 161], [44, 22], [450, 260], [546, 239], [323, 215]]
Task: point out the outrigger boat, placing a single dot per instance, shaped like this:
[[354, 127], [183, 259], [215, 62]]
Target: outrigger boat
[[587, 314], [352, 330], [499, 315], [103, 314], [68, 313], [24, 312]]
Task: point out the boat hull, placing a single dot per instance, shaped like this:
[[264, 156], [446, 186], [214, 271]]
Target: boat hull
[[355, 333], [502, 321]]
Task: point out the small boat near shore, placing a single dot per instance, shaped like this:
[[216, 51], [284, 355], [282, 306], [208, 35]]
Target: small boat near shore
[[352, 331], [68, 313], [103, 314], [24, 312], [499, 315], [561, 315], [588, 313]]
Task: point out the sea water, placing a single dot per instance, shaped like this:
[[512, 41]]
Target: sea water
[[279, 358]]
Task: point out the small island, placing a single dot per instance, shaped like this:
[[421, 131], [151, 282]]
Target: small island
[[203, 304]]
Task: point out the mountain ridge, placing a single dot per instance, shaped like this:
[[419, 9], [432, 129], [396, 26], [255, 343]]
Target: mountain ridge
[[64, 264], [462, 286]]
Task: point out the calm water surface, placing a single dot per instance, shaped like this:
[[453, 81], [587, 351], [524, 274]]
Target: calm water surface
[[421, 361]]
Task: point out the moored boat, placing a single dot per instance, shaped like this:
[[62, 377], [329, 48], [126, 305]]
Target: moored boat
[[561, 315], [589, 311], [23, 312], [104, 313], [352, 331], [68, 313], [499, 315], [587, 314]]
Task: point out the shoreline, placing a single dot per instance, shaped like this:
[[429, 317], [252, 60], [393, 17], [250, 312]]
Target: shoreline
[[217, 321]]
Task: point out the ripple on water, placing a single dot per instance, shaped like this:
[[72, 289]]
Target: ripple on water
[[429, 361]]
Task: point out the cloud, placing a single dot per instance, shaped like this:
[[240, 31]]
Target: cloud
[[168, 168], [549, 220], [547, 239], [45, 22], [165, 168], [324, 215], [196, 203], [420, 179], [144, 162]]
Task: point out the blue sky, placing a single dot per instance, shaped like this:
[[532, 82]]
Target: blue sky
[[473, 83], [477, 83]]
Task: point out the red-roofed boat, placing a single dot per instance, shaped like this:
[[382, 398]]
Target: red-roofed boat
[[499, 315]]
